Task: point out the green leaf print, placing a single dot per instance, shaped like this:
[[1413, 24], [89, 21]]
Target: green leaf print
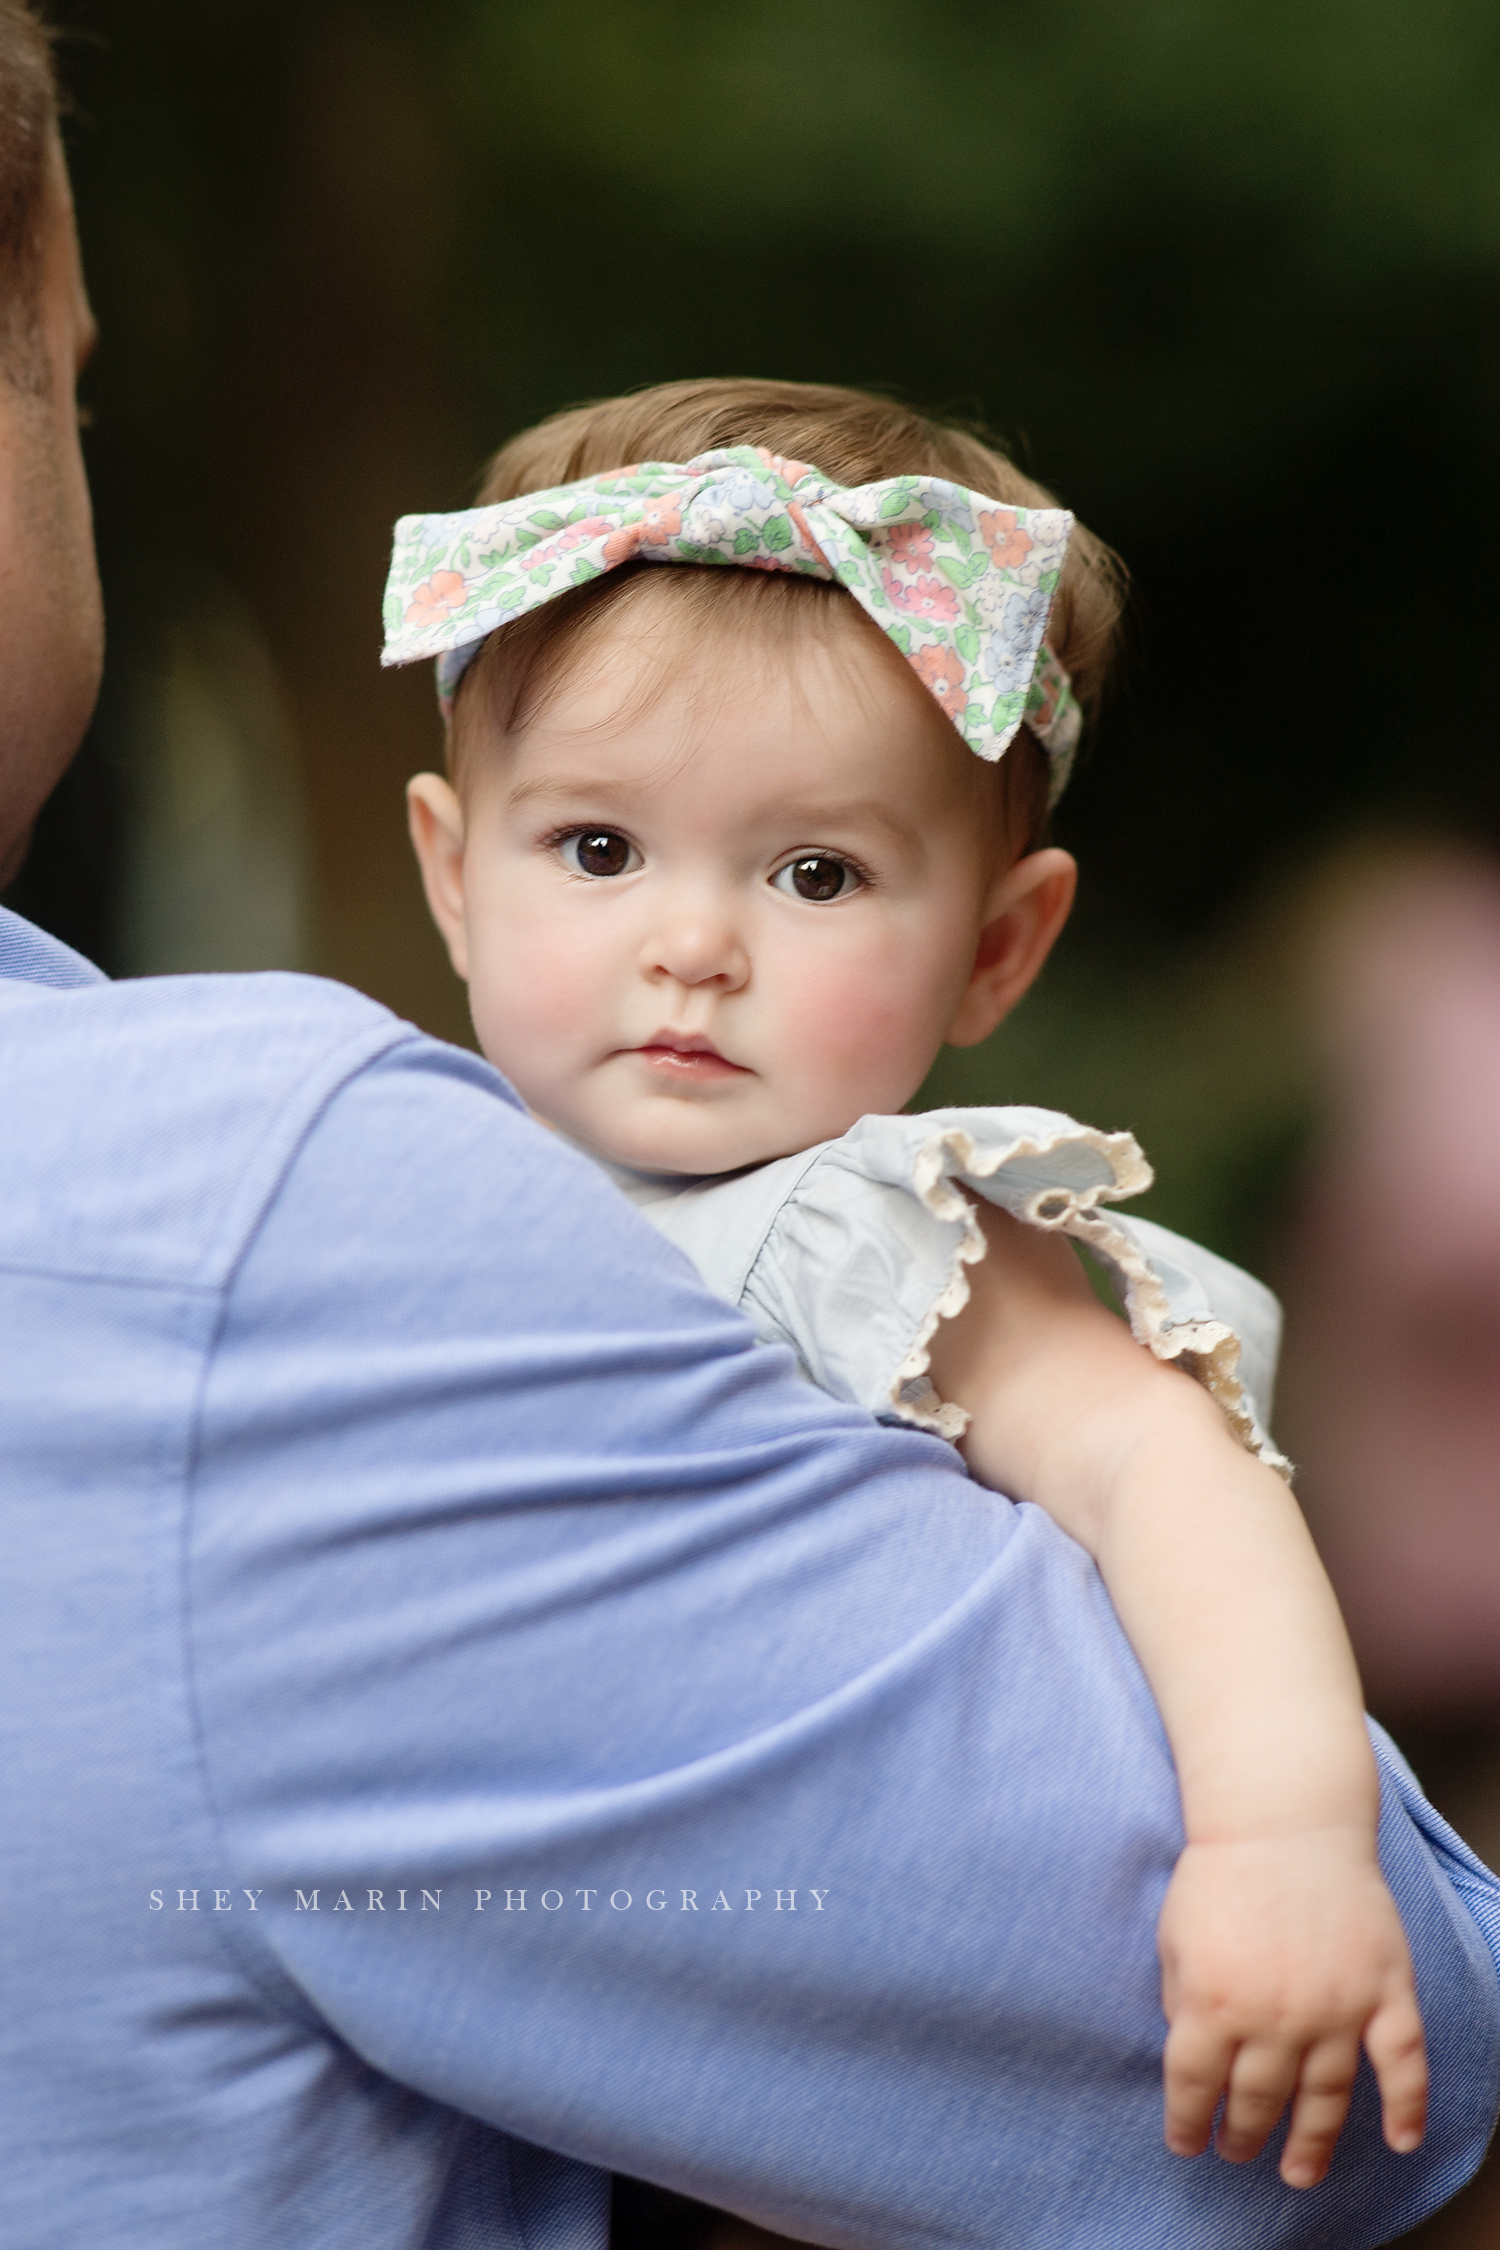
[[583, 570], [745, 541], [955, 573], [901, 637], [776, 533], [966, 641], [896, 500], [548, 518], [1047, 583]]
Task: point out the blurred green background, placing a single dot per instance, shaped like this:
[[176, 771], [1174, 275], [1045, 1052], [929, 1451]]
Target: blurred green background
[[1227, 276]]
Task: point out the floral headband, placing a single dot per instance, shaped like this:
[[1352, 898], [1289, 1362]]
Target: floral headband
[[962, 585]]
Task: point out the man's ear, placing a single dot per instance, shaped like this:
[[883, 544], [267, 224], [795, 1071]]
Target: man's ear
[[1023, 915], [436, 820]]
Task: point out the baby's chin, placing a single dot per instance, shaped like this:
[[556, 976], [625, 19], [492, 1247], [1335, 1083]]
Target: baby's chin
[[689, 1147]]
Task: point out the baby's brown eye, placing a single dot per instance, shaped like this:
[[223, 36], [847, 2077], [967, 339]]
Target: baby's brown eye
[[599, 851], [818, 876]]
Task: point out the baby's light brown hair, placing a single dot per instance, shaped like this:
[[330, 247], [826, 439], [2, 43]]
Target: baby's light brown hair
[[854, 437]]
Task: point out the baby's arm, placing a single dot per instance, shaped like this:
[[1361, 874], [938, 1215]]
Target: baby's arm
[[1281, 1947]]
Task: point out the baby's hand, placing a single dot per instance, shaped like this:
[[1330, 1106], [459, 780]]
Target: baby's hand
[[1280, 1956]]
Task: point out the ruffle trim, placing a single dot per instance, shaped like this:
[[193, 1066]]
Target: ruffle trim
[[1208, 1350]]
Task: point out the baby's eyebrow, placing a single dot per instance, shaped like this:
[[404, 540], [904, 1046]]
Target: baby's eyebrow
[[566, 787], [862, 812]]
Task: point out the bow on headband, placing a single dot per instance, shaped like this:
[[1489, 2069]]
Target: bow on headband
[[962, 585]]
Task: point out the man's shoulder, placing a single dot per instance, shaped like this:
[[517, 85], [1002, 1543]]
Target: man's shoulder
[[177, 1038], [146, 1122]]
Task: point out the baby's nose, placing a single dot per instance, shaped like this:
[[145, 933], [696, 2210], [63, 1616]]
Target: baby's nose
[[698, 945]]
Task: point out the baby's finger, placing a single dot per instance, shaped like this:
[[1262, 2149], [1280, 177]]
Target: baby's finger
[[1319, 2111], [1398, 2056], [1259, 2086], [1195, 2066]]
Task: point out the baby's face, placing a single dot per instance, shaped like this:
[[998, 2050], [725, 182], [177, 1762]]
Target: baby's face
[[722, 928]]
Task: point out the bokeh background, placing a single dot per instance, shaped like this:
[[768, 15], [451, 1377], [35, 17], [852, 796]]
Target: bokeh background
[[1226, 275]]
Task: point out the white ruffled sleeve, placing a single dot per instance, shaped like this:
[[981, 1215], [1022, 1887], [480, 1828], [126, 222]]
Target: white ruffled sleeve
[[854, 1251]]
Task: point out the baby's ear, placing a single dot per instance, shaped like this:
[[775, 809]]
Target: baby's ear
[[1024, 913], [436, 820]]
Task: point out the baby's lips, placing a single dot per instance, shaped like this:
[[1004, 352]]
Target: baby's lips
[[691, 1053]]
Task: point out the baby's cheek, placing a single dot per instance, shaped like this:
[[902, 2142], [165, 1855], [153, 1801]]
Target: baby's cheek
[[865, 1029], [531, 994]]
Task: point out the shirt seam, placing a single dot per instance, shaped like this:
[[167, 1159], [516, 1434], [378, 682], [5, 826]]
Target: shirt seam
[[170, 1285], [762, 1243], [261, 1970]]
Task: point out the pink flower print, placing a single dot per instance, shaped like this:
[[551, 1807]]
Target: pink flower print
[[1008, 544], [789, 471], [922, 597], [805, 531], [661, 521], [1041, 704], [563, 542], [436, 598], [909, 545], [941, 672], [621, 545]]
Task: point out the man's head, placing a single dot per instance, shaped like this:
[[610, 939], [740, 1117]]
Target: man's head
[[51, 618]]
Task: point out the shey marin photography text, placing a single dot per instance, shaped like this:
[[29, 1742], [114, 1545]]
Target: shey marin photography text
[[362, 1899]]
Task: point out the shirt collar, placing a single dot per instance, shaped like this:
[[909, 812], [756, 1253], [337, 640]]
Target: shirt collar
[[30, 956]]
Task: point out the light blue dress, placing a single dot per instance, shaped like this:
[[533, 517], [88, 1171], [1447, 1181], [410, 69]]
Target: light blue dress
[[853, 1251]]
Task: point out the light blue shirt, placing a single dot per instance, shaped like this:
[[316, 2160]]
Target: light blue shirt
[[389, 1510]]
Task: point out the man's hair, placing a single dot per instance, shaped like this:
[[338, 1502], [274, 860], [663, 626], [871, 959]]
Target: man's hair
[[853, 436], [28, 110]]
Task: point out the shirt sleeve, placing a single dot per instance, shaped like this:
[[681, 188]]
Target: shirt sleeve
[[640, 1751], [857, 1252]]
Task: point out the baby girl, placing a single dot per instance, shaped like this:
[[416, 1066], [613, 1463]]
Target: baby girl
[[726, 853]]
